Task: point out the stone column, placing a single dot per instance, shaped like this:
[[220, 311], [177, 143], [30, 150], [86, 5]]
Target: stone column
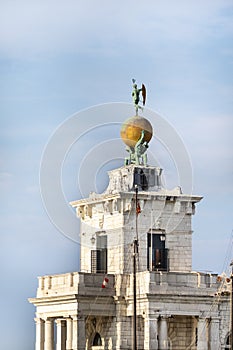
[[151, 332], [49, 334], [122, 327], [61, 334], [39, 334], [75, 333], [214, 333], [79, 333], [202, 340], [163, 334], [69, 332]]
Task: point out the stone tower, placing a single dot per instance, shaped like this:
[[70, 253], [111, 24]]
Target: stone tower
[[108, 224], [177, 308]]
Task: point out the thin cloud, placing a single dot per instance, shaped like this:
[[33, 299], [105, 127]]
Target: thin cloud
[[29, 28], [208, 138], [6, 179]]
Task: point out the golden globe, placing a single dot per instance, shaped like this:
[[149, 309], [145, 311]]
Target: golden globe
[[131, 130]]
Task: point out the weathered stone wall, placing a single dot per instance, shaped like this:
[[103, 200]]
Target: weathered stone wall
[[224, 313], [120, 228], [182, 332], [114, 213]]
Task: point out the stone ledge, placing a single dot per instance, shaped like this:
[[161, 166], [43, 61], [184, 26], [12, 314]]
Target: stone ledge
[[74, 284]]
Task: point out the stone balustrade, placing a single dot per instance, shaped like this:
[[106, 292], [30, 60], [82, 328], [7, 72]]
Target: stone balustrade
[[73, 283], [174, 282], [179, 279], [149, 282]]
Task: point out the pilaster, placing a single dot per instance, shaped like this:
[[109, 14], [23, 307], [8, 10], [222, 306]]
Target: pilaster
[[151, 332], [81, 334], [202, 339], [163, 333], [214, 333], [121, 324]]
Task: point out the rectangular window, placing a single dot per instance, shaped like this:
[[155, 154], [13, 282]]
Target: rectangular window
[[157, 254], [99, 261], [99, 255]]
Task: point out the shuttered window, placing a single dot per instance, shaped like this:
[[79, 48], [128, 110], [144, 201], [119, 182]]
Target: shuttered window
[[99, 261]]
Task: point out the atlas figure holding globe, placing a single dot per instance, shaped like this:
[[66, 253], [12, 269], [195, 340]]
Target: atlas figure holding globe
[[137, 154], [137, 131]]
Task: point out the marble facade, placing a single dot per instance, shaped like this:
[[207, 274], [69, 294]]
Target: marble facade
[[177, 308]]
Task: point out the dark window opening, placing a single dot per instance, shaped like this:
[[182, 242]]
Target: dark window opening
[[97, 340], [99, 256], [99, 261], [141, 179], [157, 254], [144, 182], [228, 345]]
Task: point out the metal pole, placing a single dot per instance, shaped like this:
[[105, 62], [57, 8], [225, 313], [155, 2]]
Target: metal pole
[[151, 243], [135, 253], [231, 301], [135, 243]]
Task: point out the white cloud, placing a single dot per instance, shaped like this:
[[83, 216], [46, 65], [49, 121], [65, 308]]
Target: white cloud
[[28, 28]]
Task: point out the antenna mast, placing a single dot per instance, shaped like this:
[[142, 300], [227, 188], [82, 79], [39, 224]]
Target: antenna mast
[[135, 255], [231, 317]]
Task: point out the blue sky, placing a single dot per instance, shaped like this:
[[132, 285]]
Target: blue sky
[[59, 57]]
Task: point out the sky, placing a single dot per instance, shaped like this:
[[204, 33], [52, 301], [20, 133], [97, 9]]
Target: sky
[[61, 58]]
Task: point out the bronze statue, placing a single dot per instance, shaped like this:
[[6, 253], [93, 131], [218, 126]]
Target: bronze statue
[[136, 96], [137, 131], [137, 154]]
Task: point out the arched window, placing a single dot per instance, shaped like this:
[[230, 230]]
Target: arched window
[[97, 340]]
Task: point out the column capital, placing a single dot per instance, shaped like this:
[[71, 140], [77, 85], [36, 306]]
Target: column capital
[[78, 318], [60, 321], [215, 318], [38, 319], [75, 318], [202, 318], [152, 317], [164, 316]]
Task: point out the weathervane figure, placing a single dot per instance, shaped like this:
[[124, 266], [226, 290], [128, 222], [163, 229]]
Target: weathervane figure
[[136, 96]]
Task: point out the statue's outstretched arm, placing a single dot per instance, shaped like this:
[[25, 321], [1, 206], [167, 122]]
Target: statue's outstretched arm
[[141, 138]]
